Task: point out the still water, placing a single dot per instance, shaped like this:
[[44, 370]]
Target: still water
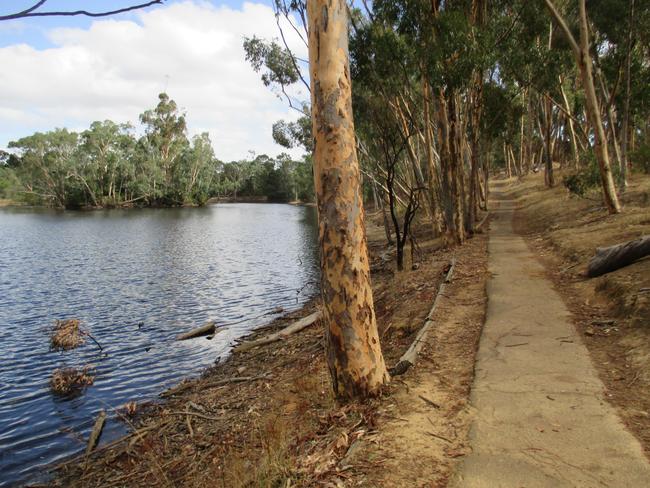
[[136, 278]]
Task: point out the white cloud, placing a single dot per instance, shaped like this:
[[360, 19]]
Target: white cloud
[[115, 69]]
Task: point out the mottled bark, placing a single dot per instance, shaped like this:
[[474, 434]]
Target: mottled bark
[[354, 355], [456, 173]]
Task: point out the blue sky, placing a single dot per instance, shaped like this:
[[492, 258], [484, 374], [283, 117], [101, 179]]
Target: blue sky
[[70, 71], [33, 30]]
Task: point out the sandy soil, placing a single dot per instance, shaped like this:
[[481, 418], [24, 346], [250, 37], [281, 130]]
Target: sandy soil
[[423, 426]]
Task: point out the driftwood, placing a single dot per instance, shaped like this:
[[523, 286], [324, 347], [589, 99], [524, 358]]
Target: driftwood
[[410, 356], [278, 336], [96, 432], [611, 258], [207, 329]]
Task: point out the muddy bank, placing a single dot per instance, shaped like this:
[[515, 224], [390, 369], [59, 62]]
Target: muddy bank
[[611, 312], [8, 203], [266, 417]]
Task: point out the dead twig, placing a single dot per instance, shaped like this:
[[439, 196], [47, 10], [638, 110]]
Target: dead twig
[[437, 436], [429, 402]]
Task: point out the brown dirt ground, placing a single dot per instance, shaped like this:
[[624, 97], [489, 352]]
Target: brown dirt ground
[[612, 312], [285, 429]]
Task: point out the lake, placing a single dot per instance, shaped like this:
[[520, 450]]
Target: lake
[[135, 278]]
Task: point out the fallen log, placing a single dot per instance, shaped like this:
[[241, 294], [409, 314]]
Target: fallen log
[[608, 259], [278, 336], [96, 432], [207, 329], [409, 358]]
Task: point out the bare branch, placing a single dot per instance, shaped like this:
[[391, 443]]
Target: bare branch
[[31, 12], [30, 9], [291, 55]]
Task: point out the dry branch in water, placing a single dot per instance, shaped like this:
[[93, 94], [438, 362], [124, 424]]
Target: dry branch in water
[[206, 329], [66, 381], [96, 433]]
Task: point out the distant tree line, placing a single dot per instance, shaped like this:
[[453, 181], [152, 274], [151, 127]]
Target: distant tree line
[[107, 165]]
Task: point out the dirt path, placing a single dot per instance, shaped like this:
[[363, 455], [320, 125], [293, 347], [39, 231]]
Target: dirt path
[[541, 419]]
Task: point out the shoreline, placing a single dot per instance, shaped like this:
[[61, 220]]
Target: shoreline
[[150, 405], [7, 203], [267, 416]]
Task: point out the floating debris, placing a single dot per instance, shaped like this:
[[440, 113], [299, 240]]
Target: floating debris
[[67, 334], [70, 381]]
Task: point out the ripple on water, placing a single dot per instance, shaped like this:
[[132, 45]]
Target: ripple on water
[[136, 279]]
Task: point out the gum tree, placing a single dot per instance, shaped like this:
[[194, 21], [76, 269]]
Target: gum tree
[[354, 354]]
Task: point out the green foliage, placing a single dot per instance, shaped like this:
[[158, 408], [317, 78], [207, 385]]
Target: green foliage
[[9, 183], [587, 178], [277, 64], [107, 165], [294, 134], [641, 158], [279, 180]]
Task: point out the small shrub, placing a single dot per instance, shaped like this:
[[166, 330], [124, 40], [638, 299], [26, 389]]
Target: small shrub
[[587, 177], [71, 381]]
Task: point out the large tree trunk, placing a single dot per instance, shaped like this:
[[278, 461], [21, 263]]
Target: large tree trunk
[[477, 103], [593, 110], [457, 173], [354, 354]]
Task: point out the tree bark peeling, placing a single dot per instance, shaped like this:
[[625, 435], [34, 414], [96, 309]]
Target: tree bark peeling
[[354, 355]]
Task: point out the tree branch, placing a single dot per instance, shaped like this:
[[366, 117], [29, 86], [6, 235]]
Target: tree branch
[[565, 28], [30, 12]]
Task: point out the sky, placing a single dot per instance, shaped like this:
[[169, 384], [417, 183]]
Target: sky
[[71, 71]]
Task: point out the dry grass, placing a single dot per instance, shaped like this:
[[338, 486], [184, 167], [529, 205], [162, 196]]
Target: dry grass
[[67, 334], [70, 381]]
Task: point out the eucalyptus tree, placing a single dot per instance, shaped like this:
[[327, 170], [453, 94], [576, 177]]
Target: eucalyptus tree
[[45, 169], [105, 153], [163, 144], [354, 354], [582, 51]]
